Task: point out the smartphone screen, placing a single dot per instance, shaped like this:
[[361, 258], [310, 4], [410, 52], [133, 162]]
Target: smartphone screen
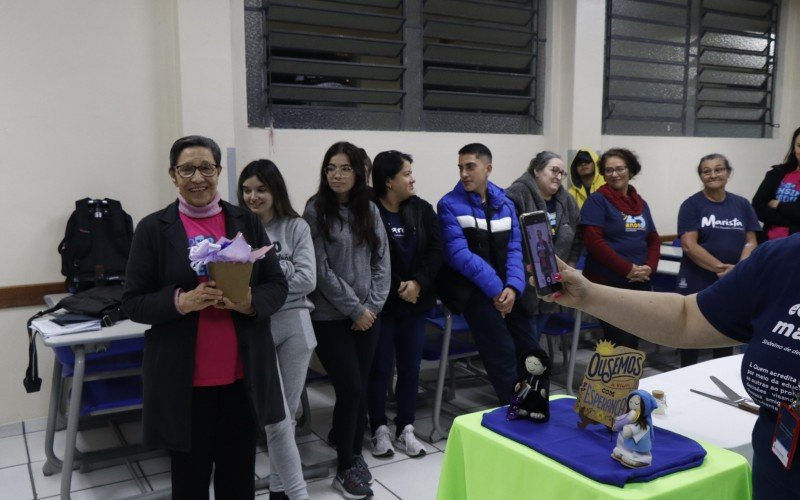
[[539, 243]]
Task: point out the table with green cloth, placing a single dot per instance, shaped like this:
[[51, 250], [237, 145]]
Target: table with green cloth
[[481, 464]]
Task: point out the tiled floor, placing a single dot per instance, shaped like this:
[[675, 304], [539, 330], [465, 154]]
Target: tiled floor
[[22, 448]]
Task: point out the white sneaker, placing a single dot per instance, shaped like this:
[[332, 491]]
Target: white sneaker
[[408, 442], [382, 443]]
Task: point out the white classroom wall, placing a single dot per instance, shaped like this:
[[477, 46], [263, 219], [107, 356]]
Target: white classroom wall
[[94, 92]]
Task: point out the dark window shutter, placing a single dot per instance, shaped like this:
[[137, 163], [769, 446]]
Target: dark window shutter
[[690, 67], [479, 64], [325, 64], [736, 67]]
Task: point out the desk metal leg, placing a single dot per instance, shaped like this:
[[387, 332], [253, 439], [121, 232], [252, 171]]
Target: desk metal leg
[[576, 336], [73, 416], [53, 463], [438, 433]]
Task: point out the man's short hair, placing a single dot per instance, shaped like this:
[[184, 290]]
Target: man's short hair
[[476, 149]]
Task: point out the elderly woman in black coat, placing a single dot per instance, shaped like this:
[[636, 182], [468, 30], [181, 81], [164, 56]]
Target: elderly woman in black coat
[[209, 371]]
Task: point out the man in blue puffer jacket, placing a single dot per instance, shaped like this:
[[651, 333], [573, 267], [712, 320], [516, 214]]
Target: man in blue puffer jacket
[[483, 271]]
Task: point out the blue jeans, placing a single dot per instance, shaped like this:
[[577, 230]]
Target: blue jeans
[[496, 343], [404, 336]]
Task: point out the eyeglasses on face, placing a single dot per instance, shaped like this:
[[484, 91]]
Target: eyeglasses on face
[[618, 170], [710, 173], [187, 171], [557, 171], [344, 170]]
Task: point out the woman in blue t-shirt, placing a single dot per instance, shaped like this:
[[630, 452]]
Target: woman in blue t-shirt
[[717, 229], [619, 234], [756, 303]]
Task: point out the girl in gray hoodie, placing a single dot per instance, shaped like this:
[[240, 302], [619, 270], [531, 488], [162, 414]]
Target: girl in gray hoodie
[[353, 277], [263, 191]]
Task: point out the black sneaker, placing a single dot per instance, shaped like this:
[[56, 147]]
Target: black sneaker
[[361, 466], [350, 483]]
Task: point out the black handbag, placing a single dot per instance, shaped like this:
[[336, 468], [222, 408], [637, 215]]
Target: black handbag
[[102, 302]]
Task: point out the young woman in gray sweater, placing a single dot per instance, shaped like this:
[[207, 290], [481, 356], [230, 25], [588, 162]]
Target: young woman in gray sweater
[[353, 276], [263, 191]]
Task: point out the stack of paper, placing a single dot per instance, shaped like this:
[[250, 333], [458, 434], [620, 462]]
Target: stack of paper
[[48, 328]]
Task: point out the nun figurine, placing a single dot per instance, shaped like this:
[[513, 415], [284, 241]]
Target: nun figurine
[[532, 391], [635, 428]]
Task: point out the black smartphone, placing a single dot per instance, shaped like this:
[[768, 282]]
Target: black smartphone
[[541, 253]]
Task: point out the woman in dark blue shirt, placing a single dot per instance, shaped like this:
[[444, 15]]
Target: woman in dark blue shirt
[[717, 229], [415, 247], [756, 303]]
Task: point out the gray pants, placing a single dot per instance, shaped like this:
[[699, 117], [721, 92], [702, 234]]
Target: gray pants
[[294, 342]]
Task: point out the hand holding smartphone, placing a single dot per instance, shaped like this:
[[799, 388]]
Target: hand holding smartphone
[[541, 252]]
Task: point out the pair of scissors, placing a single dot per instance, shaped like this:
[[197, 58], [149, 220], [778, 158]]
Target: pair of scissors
[[732, 397]]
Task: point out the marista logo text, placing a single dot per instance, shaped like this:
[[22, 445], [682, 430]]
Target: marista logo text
[[712, 221]]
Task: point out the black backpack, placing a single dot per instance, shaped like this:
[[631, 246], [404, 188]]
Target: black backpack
[[96, 243]]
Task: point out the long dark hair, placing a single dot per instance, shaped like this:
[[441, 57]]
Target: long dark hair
[[387, 164], [791, 158], [269, 175], [327, 204]]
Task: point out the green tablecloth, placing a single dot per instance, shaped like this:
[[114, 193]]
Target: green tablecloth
[[482, 465]]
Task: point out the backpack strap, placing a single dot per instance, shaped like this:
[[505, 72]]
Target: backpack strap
[[32, 381], [121, 226]]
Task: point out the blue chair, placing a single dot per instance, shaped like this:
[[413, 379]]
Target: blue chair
[[451, 342]]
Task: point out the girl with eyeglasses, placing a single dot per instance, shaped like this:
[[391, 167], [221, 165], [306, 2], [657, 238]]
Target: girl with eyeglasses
[[620, 236], [540, 188], [353, 277], [262, 190], [717, 230]]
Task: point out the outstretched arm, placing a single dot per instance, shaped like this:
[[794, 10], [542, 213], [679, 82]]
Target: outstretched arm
[[662, 318]]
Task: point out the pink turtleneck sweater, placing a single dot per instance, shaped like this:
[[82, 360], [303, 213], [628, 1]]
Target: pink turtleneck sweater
[[217, 359]]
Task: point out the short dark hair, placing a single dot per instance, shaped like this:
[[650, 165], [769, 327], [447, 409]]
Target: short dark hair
[[269, 175], [386, 165], [477, 149], [628, 156], [714, 156], [191, 141]]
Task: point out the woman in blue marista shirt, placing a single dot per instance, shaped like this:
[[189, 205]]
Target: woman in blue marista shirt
[[757, 303], [717, 230]]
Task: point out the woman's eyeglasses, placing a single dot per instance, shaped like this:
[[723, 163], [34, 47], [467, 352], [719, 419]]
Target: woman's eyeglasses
[[618, 171], [710, 173], [344, 170], [187, 171]]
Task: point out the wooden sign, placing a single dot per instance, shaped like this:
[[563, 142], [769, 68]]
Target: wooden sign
[[612, 373]]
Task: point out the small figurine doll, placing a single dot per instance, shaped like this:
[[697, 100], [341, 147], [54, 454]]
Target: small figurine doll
[[635, 428], [532, 392]]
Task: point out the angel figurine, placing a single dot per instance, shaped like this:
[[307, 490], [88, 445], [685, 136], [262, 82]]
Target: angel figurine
[[532, 392], [635, 428]]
